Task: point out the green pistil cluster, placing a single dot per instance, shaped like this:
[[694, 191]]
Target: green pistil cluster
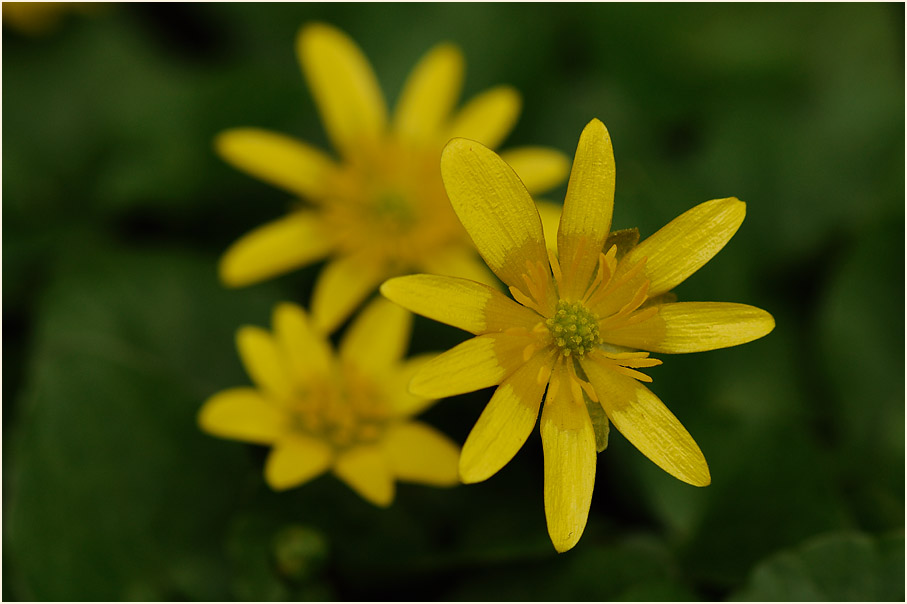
[[574, 328]]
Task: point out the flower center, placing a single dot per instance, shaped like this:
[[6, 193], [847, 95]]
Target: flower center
[[573, 328], [346, 414], [395, 210]]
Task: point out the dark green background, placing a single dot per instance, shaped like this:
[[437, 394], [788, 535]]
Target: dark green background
[[115, 210]]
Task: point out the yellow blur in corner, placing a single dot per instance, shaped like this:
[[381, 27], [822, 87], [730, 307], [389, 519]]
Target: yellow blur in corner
[[40, 18]]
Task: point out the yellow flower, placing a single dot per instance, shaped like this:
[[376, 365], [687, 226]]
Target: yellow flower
[[36, 18], [381, 210], [578, 325], [349, 412]]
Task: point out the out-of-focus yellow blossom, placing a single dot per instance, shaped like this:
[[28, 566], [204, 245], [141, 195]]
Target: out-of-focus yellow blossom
[[35, 18], [581, 320], [349, 412], [380, 210]]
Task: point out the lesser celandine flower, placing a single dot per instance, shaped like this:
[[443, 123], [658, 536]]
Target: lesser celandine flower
[[350, 412], [582, 325], [380, 210]]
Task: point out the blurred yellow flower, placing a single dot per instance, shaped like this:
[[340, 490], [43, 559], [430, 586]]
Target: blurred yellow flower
[[381, 210], [35, 18], [579, 322], [349, 412]]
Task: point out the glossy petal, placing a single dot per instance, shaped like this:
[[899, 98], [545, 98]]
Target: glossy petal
[[686, 243], [344, 86], [243, 414], [430, 93], [477, 363], [495, 209], [648, 425], [419, 453], [307, 351], [461, 303], [403, 402], [264, 362], [506, 422], [586, 218], [342, 286], [540, 168], [694, 327], [367, 471], [275, 248], [295, 460], [568, 443], [488, 117], [377, 338], [277, 159]]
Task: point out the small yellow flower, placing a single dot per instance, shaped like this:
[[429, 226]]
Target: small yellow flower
[[36, 18], [578, 326], [349, 412], [381, 210]]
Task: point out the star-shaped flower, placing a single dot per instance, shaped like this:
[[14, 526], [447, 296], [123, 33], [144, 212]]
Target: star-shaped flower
[[380, 210], [350, 413], [582, 326]]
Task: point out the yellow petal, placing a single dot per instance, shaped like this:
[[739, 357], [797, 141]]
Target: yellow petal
[[550, 214], [367, 471], [477, 363], [694, 327], [342, 285], [275, 248], [686, 243], [403, 402], [505, 423], [540, 168], [264, 362], [295, 460], [648, 425], [419, 453], [277, 159], [458, 261], [586, 219], [243, 414], [488, 118], [568, 443], [344, 86], [430, 93], [307, 351], [495, 209], [466, 304], [377, 338]]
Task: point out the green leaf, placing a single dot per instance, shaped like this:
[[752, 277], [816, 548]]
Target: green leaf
[[861, 353], [115, 493], [638, 567], [849, 567]]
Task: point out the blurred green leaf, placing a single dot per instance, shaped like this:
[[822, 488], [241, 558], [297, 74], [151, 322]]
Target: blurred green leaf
[[116, 494], [848, 567], [273, 561], [860, 330], [635, 568]]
